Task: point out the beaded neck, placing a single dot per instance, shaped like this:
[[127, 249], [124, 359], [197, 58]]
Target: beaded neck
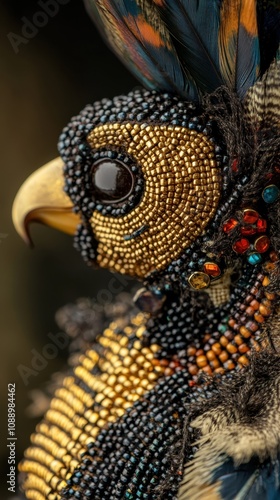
[[197, 336]]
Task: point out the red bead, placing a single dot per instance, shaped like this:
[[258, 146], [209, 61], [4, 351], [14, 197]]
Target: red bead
[[250, 216], [248, 230], [241, 246], [234, 165], [261, 225], [262, 244], [212, 269], [229, 225]]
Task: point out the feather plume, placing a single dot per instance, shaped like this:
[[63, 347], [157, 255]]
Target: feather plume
[[141, 40], [250, 481], [194, 28], [262, 100], [239, 45], [191, 47]]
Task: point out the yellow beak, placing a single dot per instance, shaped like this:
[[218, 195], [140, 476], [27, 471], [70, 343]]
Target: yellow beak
[[42, 199]]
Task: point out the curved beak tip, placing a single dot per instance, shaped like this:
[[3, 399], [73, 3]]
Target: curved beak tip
[[42, 199]]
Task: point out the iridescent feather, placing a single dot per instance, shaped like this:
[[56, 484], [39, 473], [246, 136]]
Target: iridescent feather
[[137, 34], [191, 47], [188, 22], [238, 44]]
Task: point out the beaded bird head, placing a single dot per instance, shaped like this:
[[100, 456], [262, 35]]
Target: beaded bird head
[[177, 185]]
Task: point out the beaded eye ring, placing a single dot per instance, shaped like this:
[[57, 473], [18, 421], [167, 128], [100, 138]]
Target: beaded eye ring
[[117, 182]]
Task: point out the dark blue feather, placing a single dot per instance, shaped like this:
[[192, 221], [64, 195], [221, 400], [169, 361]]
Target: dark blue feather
[[139, 37], [191, 47], [194, 27], [252, 481]]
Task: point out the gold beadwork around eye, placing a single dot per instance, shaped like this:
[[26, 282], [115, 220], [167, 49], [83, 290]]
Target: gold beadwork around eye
[[181, 194]]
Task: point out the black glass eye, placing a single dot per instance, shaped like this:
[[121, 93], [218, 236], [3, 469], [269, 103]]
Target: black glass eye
[[112, 181]]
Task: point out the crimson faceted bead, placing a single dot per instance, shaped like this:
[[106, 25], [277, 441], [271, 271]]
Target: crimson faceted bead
[[241, 246], [261, 225], [229, 225], [262, 244], [248, 230], [250, 216]]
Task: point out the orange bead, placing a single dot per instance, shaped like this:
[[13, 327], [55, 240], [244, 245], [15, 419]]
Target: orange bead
[[223, 356], [215, 363], [243, 348], [238, 340], [212, 269], [259, 318], [201, 361], [243, 360], [210, 355], [220, 370], [245, 332], [232, 349], [265, 311], [223, 341], [216, 348], [266, 281], [193, 370], [229, 365]]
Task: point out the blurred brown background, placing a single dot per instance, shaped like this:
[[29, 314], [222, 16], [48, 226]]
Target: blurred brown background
[[63, 67]]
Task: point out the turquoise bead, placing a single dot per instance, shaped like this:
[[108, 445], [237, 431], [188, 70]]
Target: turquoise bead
[[270, 193], [222, 328], [254, 258]]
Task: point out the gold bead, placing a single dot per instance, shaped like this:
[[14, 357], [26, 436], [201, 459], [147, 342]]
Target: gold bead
[[199, 280]]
